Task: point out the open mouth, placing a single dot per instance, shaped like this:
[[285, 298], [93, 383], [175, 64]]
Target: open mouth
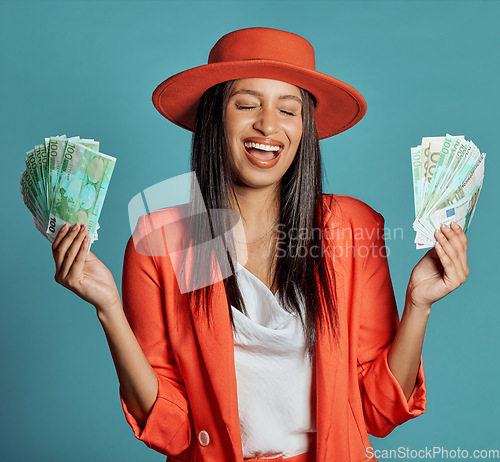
[[263, 155]]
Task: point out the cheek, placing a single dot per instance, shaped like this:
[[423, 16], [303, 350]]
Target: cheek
[[296, 133], [295, 136], [233, 131], [235, 120], [231, 135]]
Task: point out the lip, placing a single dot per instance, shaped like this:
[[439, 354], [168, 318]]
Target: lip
[[261, 163]]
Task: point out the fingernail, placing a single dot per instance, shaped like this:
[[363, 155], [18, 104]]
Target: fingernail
[[82, 229], [445, 227], [454, 225], [65, 226], [74, 226]]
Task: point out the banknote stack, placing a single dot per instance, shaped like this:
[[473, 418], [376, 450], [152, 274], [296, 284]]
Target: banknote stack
[[448, 174], [65, 181]]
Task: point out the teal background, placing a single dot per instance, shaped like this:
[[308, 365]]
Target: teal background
[[88, 68]]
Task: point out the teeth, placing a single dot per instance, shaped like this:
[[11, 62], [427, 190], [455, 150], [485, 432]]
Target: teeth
[[262, 147]]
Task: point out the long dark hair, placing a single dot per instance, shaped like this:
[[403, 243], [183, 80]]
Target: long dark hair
[[301, 218]]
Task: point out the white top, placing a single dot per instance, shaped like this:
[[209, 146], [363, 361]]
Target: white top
[[273, 374]]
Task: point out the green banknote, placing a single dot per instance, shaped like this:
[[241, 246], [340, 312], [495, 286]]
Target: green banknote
[[65, 181], [81, 186], [416, 162], [430, 149], [448, 174]]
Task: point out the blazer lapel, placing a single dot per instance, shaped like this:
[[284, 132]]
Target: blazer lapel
[[326, 366], [329, 410], [217, 348]]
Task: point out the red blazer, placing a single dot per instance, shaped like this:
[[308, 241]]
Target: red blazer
[[195, 417]]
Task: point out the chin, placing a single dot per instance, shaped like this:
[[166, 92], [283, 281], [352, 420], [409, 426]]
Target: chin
[[258, 180]]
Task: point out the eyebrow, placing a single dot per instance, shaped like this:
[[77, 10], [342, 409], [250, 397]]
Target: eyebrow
[[258, 93]]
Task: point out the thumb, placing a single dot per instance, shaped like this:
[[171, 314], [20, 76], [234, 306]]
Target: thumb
[[91, 256], [432, 254]]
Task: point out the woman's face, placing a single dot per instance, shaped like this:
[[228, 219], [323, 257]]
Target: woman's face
[[264, 129]]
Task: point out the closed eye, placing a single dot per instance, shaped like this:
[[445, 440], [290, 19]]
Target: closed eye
[[245, 107], [287, 112]]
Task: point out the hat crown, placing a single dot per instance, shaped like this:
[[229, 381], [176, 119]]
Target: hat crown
[[265, 44], [261, 52]]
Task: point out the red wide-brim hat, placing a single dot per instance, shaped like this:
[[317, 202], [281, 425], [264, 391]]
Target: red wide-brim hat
[[261, 52]]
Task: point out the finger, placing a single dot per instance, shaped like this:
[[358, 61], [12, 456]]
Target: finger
[[80, 258], [62, 247], [455, 236], [62, 232], [459, 232], [448, 266], [463, 238], [454, 274], [444, 258], [448, 241], [71, 253]]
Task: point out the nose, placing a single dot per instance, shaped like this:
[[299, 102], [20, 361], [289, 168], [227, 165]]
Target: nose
[[266, 121]]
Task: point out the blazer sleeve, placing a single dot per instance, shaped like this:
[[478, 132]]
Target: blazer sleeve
[[168, 428], [384, 403]]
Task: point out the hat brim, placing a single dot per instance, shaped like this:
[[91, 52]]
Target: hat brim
[[338, 108]]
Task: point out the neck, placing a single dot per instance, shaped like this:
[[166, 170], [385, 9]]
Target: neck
[[259, 208]]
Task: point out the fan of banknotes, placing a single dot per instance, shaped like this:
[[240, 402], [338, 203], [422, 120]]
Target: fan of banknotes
[[448, 174], [65, 181]]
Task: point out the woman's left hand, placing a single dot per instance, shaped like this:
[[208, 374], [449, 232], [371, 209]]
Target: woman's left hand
[[441, 270]]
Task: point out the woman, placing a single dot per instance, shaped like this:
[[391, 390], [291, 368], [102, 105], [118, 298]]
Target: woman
[[293, 349]]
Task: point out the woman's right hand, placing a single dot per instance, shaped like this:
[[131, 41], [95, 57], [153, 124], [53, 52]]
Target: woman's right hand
[[81, 271]]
